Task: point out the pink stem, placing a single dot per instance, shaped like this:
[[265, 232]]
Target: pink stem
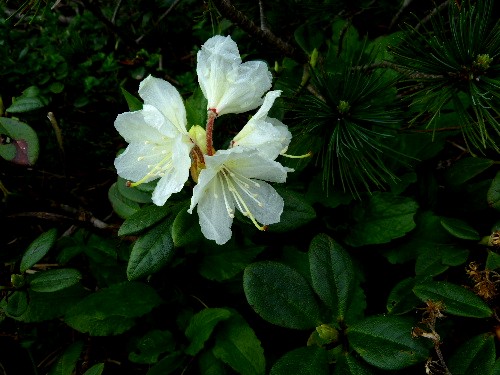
[[212, 114]]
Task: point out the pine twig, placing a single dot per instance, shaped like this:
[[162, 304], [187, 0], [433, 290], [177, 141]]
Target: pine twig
[[230, 12]]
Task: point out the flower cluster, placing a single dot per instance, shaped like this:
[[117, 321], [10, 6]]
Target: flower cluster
[[161, 147]]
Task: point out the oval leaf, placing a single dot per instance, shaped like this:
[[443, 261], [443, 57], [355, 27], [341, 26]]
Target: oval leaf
[[201, 327], [95, 370], [332, 274], [237, 346], [111, 311], [185, 228], [24, 146], [54, 280], [146, 217], [66, 363], [132, 193], [25, 104], [151, 252], [347, 364], [381, 219], [465, 169], [493, 194], [311, 360], [460, 229], [123, 207], [476, 356], [281, 295], [296, 212], [38, 249], [17, 303], [457, 300], [386, 342]]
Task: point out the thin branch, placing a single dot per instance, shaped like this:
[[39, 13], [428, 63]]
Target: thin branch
[[230, 12]]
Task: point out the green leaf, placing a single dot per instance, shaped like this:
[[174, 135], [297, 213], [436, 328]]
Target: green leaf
[[167, 364], [123, 207], [311, 360], [308, 37], [281, 295], [465, 169], [201, 327], [95, 370], [134, 104], [381, 219], [24, 146], [332, 274], [493, 260], [237, 346], [434, 259], [145, 217], [401, 298], [25, 104], [132, 193], [386, 342], [112, 310], [151, 252], [17, 303], [296, 212], [186, 228], [493, 195], [224, 262], [457, 300], [347, 364], [196, 108], [476, 356], [211, 365], [38, 249], [66, 363], [150, 346], [460, 229], [46, 306], [54, 280]]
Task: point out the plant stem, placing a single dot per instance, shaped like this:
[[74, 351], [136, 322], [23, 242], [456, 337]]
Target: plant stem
[[209, 129]]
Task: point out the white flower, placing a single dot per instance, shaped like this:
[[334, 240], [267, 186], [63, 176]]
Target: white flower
[[159, 144], [267, 135], [229, 85], [232, 179]]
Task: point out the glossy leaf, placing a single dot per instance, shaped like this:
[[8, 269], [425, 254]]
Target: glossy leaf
[[144, 218], [123, 207], [201, 327], [332, 274], [17, 303], [311, 360], [38, 249], [465, 169], [296, 212], [348, 364], [210, 364], [493, 195], [386, 342], [66, 363], [150, 346], [112, 310], [54, 280], [132, 193], [95, 370], [457, 299], [167, 364], [401, 298], [134, 103], [151, 252], [224, 262], [460, 229], [186, 228], [476, 356], [237, 345], [281, 295], [382, 218]]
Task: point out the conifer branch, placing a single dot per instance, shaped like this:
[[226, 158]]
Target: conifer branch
[[230, 12]]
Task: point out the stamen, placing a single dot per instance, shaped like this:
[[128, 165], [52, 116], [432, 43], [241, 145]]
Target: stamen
[[158, 170], [242, 206], [230, 212]]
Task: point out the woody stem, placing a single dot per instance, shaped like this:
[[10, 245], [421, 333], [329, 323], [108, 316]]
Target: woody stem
[[209, 130]]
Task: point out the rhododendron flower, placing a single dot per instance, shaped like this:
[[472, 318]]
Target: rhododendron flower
[[229, 85], [235, 178], [159, 144], [267, 135]]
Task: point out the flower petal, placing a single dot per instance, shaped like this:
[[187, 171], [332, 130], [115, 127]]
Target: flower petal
[[263, 202], [133, 127], [228, 85], [137, 161], [215, 221], [165, 97]]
